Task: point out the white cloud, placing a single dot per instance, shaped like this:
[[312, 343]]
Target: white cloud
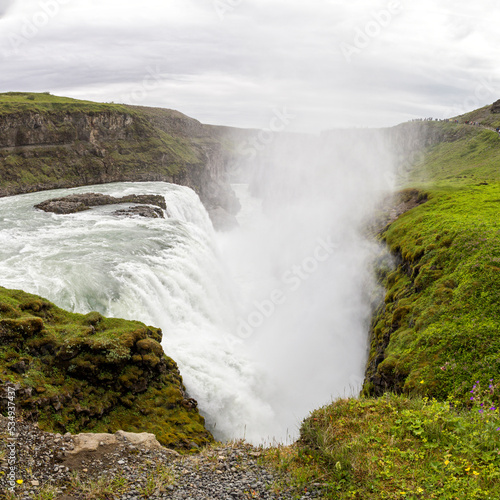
[[262, 54]]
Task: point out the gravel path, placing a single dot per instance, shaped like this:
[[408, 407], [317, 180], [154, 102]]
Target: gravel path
[[127, 472]]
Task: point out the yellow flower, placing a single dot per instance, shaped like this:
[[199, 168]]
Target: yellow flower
[[422, 382], [420, 490], [446, 462], [468, 469], [19, 481], [475, 473]]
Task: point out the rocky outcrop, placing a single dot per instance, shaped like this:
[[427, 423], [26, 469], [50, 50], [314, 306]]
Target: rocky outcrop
[[80, 202], [495, 107], [90, 373], [141, 211], [61, 144]]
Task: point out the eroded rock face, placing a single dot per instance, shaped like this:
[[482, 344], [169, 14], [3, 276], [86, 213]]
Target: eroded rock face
[[495, 108], [80, 202], [51, 149]]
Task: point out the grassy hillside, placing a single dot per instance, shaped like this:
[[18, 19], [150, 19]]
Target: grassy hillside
[[428, 424], [440, 323], [21, 102]]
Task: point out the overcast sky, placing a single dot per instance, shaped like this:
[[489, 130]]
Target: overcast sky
[[323, 63]]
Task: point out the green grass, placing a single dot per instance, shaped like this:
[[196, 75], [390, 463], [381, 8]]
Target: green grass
[[396, 447], [442, 308], [472, 159], [483, 116], [20, 102]]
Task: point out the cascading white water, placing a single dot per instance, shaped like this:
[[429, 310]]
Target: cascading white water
[[265, 322], [165, 273]]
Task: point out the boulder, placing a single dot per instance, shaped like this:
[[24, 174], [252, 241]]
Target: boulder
[[90, 442]]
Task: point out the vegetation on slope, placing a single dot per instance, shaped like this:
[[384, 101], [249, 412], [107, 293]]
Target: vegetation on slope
[[77, 373], [427, 424], [439, 329], [22, 102], [395, 447]]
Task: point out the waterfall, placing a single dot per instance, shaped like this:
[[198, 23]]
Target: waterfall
[[266, 322]]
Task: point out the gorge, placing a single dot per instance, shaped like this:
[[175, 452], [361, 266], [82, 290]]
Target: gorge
[[355, 261]]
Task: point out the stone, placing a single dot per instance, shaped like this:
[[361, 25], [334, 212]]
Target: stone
[[79, 202], [141, 211]]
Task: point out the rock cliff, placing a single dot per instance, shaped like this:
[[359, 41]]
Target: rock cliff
[[49, 142]]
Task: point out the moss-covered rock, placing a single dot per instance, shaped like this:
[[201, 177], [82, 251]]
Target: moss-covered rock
[[79, 373]]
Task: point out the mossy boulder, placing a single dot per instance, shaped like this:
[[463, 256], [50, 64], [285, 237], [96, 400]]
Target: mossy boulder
[[82, 373]]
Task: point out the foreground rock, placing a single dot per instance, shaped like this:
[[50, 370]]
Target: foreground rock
[[80, 202], [91, 442], [89, 373], [128, 467]]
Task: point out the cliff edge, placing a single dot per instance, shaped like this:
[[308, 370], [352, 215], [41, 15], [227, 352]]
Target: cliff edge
[[49, 142]]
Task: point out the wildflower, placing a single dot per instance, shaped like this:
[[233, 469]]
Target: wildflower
[[475, 473], [446, 462], [492, 408], [468, 469], [420, 490], [422, 382], [19, 481]]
